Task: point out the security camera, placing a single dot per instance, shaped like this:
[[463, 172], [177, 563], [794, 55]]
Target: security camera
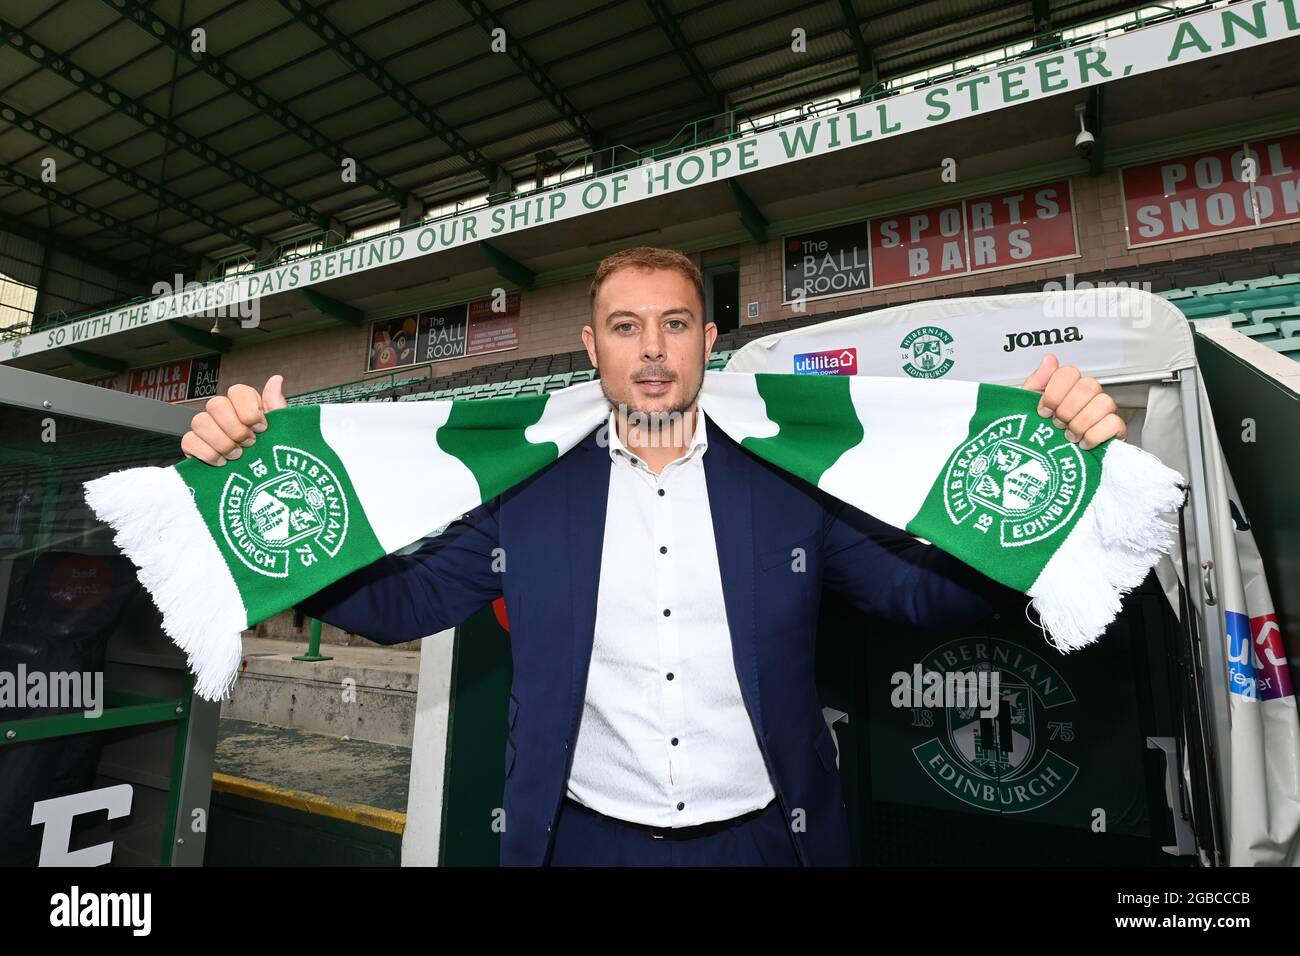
[[1084, 141]]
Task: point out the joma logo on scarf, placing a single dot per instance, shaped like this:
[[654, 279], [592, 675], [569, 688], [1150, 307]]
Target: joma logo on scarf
[[285, 509], [1029, 485]]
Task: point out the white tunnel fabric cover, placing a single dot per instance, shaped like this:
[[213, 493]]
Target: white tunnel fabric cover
[[1117, 334], [1120, 333]]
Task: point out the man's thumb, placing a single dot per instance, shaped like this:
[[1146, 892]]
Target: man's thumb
[[273, 394], [1041, 375]]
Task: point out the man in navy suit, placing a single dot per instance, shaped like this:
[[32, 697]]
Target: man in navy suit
[[663, 586]]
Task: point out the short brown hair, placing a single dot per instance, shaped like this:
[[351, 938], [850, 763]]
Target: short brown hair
[[648, 257]]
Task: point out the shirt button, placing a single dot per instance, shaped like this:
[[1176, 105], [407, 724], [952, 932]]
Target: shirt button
[[663, 550], [667, 612], [681, 806], [674, 741], [670, 675], [661, 492]]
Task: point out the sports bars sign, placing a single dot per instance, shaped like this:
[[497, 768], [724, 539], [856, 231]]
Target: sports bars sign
[[999, 231], [436, 335], [1062, 73], [1228, 189]]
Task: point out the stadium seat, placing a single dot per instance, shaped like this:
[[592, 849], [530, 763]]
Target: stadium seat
[[1266, 316]]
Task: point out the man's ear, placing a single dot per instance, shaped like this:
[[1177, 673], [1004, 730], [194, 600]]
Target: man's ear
[[710, 336], [589, 341]]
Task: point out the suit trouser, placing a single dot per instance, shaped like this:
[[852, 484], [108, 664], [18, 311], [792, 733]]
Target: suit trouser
[[584, 837]]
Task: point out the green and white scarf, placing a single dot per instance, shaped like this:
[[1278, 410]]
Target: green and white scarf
[[327, 489]]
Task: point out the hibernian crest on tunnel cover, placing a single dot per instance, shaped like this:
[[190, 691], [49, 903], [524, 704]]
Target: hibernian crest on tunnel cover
[[1024, 477], [1016, 760], [285, 510]]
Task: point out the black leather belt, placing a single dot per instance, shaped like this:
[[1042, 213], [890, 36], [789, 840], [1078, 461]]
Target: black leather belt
[[671, 833]]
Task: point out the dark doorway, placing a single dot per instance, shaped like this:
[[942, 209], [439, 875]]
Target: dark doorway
[[722, 295]]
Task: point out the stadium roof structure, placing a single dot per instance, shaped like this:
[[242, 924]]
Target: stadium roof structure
[[208, 136]]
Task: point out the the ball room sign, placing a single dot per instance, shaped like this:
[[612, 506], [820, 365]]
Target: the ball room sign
[[455, 331]]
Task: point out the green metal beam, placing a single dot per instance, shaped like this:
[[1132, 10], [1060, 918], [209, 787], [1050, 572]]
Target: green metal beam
[[338, 41], [207, 340], [668, 23], [1043, 35], [755, 222], [512, 270], [220, 71], [59, 64], [51, 241], [79, 208], [339, 311], [530, 68], [866, 66], [95, 360], [47, 134], [1042, 15], [1097, 159], [135, 713]]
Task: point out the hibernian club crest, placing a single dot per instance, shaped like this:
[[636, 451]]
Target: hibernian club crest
[[291, 510], [927, 352], [1024, 477], [1014, 761]]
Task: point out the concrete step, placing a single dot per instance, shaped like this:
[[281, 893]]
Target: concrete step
[[363, 693]]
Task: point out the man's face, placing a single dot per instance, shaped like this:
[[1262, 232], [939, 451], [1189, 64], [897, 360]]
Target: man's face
[[648, 340]]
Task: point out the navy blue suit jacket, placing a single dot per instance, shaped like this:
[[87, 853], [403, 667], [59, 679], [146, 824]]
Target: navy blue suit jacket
[[551, 529]]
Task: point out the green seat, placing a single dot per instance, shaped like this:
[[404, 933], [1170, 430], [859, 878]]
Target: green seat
[[509, 389], [1216, 288], [586, 375], [1264, 282], [1256, 331], [559, 381], [532, 386], [1267, 315], [1200, 310]]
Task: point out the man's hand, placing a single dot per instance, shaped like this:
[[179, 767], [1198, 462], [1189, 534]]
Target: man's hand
[[229, 423], [1075, 403]]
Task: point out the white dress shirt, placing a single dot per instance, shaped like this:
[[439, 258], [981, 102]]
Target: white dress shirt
[[665, 738]]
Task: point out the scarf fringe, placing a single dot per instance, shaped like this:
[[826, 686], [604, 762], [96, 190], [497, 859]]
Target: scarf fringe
[[1116, 543], [159, 529]]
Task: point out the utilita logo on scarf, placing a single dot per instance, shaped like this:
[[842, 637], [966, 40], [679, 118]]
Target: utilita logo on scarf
[[1257, 665], [829, 362]]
